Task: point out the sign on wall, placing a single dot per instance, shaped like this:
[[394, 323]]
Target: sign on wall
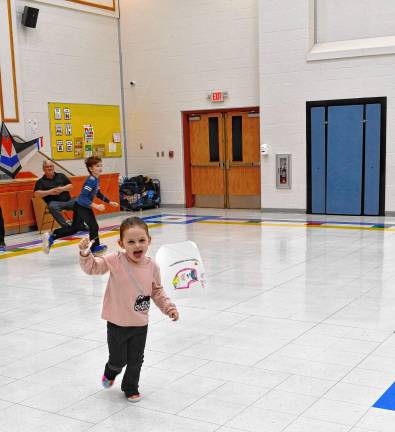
[[217, 96], [82, 130]]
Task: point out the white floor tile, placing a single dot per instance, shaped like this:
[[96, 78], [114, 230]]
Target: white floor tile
[[19, 390], [359, 429], [179, 363], [373, 378], [4, 404], [352, 393], [195, 385], [257, 419], [92, 409], [241, 393], [55, 399], [143, 420], [223, 371], [227, 429], [335, 411], [306, 385], [17, 418], [167, 400], [378, 420], [279, 400], [303, 424], [213, 409]]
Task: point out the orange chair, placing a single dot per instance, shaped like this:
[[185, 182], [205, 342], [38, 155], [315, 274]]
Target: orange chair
[[44, 219]]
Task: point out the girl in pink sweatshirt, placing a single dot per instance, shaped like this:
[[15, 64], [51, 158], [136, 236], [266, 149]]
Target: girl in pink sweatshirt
[[134, 280]]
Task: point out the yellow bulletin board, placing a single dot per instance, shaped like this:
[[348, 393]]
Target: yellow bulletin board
[[82, 130]]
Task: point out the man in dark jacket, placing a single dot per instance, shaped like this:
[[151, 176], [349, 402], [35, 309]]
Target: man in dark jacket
[[54, 188]]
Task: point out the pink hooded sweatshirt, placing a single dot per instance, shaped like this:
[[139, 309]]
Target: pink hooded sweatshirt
[[127, 281]]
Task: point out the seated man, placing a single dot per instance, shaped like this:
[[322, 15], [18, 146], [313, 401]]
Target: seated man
[[54, 188]]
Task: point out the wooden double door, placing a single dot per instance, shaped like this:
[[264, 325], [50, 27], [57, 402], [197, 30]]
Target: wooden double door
[[225, 159]]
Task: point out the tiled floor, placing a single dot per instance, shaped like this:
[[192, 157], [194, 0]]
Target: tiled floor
[[293, 333]]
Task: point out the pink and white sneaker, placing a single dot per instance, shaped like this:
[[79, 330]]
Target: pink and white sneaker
[[106, 383], [134, 398]]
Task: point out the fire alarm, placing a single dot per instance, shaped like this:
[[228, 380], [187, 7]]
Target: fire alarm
[[171, 154]]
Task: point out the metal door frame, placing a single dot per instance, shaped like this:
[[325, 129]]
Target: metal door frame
[[383, 133], [189, 201]]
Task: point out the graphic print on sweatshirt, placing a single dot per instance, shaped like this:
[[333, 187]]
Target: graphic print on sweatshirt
[[142, 303]]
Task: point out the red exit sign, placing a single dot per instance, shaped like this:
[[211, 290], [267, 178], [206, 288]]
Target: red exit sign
[[217, 96]]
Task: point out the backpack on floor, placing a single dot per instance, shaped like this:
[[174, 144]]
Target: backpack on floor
[[139, 192]]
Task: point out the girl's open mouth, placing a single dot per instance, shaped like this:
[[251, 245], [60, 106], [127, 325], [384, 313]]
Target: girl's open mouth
[[137, 254]]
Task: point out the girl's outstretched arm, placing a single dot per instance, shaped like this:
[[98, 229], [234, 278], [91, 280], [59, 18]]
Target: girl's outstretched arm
[[90, 264], [160, 298]]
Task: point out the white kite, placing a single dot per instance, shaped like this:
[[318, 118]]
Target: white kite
[[181, 266]]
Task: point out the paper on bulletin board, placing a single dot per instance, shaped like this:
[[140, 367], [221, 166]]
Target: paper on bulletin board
[[112, 147], [99, 150], [88, 150], [78, 148], [89, 134], [57, 113], [81, 130]]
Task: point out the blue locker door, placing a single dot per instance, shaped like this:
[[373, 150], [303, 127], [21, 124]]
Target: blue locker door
[[344, 160], [372, 159], [318, 158]]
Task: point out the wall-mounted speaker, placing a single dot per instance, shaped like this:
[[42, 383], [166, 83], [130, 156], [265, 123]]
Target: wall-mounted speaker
[[29, 17]]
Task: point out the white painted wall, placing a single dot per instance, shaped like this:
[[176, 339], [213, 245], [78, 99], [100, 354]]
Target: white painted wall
[[177, 51], [354, 19], [71, 56], [287, 81]]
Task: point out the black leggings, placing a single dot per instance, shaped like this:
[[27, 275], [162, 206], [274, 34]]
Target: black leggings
[[125, 347], [87, 215], [77, 225]]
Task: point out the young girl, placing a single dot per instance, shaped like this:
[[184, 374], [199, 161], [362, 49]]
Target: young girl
[[84, 204], [134, 280]]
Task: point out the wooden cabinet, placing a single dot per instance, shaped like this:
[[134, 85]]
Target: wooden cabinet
[[27, 220], [17, 211], [9, 206]]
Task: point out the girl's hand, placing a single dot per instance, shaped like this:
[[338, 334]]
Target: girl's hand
[[84, 246], [173, 314], [113, 204]]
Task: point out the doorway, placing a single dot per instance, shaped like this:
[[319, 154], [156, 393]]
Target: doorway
[[346, 156], [222, 159]]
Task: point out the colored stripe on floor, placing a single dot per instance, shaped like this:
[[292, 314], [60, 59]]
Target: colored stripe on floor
[[186, 219], [20, 249]]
